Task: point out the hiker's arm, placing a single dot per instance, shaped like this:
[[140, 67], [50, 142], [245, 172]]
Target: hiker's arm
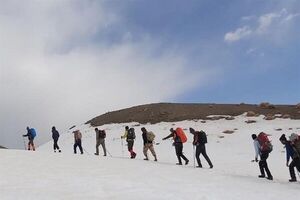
[[171, 135], [125, 135]]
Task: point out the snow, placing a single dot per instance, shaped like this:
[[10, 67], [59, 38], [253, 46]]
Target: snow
[[47, 175]]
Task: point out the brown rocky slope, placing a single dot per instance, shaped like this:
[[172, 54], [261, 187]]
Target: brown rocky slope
[[171, 112]]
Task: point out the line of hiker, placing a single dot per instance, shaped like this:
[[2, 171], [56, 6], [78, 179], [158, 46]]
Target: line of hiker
[[262, 145], [263, 148]]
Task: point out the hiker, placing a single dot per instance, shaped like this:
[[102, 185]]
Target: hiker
[[199, 141], [55, 136], [130, 136], [264, 154], [77, 141], [291, 152], [178, 146], [148, 138], [31, 133], [100, 139]]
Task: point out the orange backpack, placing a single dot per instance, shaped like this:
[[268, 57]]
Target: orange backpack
[[180, 133]]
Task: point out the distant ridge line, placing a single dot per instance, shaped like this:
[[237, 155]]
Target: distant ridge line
[[171, 112]]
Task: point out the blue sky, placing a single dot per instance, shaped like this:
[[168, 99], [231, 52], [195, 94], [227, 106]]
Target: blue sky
[[63, 62], [259, 67]]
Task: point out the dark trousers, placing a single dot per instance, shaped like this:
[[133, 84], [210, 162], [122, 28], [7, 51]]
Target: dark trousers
[[130, 144], [263, 165], [200, 149], [55, 145], [78, 144], [179, 154], [294, 163]]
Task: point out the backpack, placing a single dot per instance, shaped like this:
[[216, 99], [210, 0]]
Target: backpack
[[102, 134], [202, 139], [264, 142], [295, 140], [32, 133], [150, 136], [180, 133], [131, 134]]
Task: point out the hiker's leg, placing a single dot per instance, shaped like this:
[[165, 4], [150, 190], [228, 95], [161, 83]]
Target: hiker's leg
[[205, 155], [292, 170], [97, 147], [145, 149], [198, 150], [80, 147], [74, 147], [178, 151], [264, 158], [151, 147], [103, 147]]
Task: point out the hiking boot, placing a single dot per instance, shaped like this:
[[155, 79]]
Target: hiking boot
[[211, 166], [104, 155], [146, 159], [96, 154], [59, 151], [293, 180], [134, 155], [155, 159], [270, 178], [261, 176], [186, 162], [199, 166], [178, 163]]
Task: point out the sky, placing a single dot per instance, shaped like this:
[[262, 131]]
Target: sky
[[63, 62]]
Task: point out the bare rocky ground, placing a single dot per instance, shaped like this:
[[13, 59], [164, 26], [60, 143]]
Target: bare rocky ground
[[171, 112]]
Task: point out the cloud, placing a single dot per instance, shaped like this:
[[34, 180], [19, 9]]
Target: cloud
[[55, 69], [269, 25], [238, 34]]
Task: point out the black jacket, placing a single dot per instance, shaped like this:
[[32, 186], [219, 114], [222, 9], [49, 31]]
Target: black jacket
[[176, 138], [55, 134]]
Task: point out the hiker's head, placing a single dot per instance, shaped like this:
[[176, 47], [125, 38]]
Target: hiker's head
[[53, 128], [27, 128], [126, 128], [253, 136], [143, 129], [96, 129], [192, 130], [171, 130], [283, 139]]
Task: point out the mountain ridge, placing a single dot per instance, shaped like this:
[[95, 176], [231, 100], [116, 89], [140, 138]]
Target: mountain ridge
[[169, 112]]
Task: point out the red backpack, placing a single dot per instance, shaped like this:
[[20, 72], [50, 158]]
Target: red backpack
[[180, 133], [264, 142]]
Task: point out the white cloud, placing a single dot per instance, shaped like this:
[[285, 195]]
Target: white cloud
[[270, 25], [238, 34], [52, 72]]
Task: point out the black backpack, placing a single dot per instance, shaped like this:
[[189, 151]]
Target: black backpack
[[131, 134], [202, 139], [102, 134]]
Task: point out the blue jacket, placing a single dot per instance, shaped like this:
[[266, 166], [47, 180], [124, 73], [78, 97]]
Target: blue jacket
[[289, 151]]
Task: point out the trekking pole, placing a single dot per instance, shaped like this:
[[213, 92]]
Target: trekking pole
[[86, 151], [122, 147], [108, 153], [194, 156], [24, 142]]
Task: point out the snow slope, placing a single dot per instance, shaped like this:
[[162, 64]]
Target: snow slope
[[46, 175]]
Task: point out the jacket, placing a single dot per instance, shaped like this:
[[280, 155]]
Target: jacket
[[55, 134], [176, 138]]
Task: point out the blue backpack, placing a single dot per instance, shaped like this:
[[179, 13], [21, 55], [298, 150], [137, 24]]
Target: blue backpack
[[32, 132]]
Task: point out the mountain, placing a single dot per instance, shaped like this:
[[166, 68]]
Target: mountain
[[168, 112]]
